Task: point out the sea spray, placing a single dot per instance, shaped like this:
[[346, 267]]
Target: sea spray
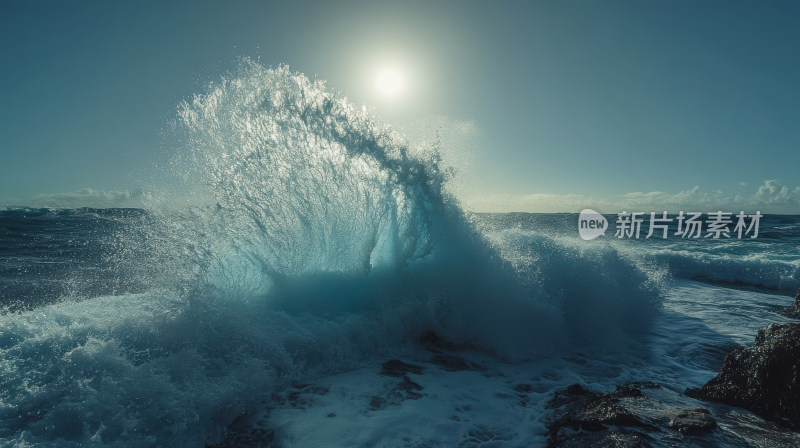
[[317, 208], [321, 242]]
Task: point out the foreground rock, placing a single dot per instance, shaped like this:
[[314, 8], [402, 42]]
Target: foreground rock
[[794, 310], [635, 415], [764, 378]]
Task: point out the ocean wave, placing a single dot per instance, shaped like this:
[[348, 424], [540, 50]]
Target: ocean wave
[[325, 240], [757, 271]]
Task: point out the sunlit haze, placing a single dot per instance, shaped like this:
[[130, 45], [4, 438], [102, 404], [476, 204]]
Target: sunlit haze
[[566, 104], [390, 82]]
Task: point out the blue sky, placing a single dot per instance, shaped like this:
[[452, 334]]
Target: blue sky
[[554, 103]]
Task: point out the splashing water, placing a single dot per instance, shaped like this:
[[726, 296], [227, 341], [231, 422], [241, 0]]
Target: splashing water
[[320, 209], [306, 182], [325, 242]]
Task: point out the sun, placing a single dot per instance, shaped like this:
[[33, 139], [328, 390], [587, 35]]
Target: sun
[[389, 82]]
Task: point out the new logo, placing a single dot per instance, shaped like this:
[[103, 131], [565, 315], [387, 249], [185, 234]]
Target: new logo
[[591, 224]]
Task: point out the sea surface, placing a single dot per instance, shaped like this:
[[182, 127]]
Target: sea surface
[[329, 246]]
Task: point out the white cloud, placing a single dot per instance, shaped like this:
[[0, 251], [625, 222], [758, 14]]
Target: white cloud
[[770, 197], [775, 193]]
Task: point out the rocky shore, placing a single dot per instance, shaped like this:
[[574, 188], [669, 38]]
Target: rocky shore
[[763, 378], [794, 310], [635, 414], [651, 415]]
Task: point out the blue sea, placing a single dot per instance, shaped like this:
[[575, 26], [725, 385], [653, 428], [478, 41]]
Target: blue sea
[[318, 244]]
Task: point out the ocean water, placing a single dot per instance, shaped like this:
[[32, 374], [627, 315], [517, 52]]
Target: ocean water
[[318, 244]]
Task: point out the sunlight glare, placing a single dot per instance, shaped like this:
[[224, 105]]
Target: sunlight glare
[[389, 82]]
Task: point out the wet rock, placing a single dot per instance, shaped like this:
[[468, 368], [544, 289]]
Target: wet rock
[[582, 409], [635, 390], [409, 389], [376, 403], [397, 368], [634, 415], [617, 438], [764, 378], [300, 396], [454, 363], [396, 393], [794, 310], [693, 422]]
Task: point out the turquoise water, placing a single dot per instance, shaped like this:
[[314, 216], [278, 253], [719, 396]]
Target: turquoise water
[[319, 242]]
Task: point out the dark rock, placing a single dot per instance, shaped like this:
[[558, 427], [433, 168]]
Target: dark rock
[[396, 393], [794, 310], [634, 415], [634, 390], [377, 403], [764, 378], [397, 368], [590, 411], [453, 363], [615, 438], [302, 396], [409, 388], [693, 422]]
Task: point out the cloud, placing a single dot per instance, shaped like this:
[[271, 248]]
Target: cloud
[[772, 196], [773, 192], [86, 197]]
